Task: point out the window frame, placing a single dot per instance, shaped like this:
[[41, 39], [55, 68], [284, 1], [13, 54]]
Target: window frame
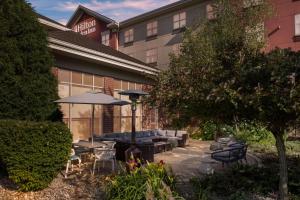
[[129, 35], [297, 24], [104, 39], [150, 57], [180, 20], [152, 28]]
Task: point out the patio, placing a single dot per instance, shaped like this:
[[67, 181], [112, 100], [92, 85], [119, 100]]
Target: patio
[[194, 161]]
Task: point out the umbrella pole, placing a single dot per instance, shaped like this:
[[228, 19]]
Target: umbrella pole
[[93, 119]]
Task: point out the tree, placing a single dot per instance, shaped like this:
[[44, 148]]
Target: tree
[[222, 74], [28, 87]]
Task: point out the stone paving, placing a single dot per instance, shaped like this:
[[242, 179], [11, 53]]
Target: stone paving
[[193, 161]]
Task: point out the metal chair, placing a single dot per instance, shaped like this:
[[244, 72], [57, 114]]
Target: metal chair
[[107, 153], [72, 158]]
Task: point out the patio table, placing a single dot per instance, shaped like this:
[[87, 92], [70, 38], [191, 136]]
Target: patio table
[[89, 145]]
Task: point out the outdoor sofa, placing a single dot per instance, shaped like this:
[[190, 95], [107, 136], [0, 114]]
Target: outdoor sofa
[[149, 142]]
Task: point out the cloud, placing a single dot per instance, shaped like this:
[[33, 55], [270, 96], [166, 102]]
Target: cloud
[[63, 21], [118, 10]]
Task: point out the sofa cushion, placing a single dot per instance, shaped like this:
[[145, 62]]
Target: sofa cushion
[[171, 133], [161, 132], [180, 133]]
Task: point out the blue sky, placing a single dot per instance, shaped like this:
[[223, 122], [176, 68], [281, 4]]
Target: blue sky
[[119, 10]]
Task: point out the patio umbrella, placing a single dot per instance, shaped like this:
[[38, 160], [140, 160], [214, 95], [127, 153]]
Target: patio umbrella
[[93, 98]]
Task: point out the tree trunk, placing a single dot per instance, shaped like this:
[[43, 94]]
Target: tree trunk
[[283, 180]]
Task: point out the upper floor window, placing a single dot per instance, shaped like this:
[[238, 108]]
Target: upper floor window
[[152, 28], [151, 56], [297, 25], [210, 13], [105, 38], [179, 20], [128, 35]]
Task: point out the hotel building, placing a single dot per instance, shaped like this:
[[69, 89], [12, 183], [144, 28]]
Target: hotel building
[[95, 52]]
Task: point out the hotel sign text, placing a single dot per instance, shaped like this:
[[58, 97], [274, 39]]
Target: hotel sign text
[[86, 27]]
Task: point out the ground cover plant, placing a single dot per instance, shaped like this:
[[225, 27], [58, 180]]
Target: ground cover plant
[[243, 182], [33, 153], [151, 181]]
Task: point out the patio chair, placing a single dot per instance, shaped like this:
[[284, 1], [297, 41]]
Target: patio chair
[[73, 157], [105, 154], [234, 153]]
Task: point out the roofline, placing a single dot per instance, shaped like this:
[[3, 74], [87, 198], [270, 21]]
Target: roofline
[[54, 25], [162, 10], [91, 12], [99, 56]]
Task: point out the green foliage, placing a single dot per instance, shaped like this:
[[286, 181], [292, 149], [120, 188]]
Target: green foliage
[[28, 87], [204, 80], [33, 152], [148, 182], [243, 181], [209, 129]]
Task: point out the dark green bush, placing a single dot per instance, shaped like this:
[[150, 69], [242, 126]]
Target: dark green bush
[[33, 152], [208, 129], [242, 181]]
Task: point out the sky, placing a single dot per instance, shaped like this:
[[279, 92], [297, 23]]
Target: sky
[[119, 10]]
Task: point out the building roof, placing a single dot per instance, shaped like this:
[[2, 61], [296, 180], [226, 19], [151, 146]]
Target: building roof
[[50, 23], [83, 41], [162, 10], [81, 10]]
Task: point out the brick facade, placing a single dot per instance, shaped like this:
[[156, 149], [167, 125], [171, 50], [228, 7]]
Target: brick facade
[[108, 111]]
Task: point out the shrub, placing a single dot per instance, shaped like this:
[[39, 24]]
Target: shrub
[[33, 152], [148, 182], [208, 129], [28, 86], [242, 181]]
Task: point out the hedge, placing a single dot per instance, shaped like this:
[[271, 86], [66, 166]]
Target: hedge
[[33, 152]]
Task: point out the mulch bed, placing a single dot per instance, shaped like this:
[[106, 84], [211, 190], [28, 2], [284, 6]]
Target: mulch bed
[[76, 186]]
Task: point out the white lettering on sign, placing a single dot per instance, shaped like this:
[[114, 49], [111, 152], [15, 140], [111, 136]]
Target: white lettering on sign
[[85, 27]]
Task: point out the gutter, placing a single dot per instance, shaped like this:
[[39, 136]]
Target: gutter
[[54, 25]]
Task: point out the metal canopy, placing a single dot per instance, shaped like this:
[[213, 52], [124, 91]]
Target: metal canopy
[[93, 97]]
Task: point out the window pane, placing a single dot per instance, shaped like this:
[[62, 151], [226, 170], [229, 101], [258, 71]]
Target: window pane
[[76, 77], [139, 86], [131, 86], [99, 81], [182, 23], [176, 25], [63, 75], [176, 18], [297, 24], [63, 90], [182, 15], [87, 79], [117, 84], [124, 85]]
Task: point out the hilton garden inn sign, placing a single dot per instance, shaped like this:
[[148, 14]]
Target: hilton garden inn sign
[[86, 27]]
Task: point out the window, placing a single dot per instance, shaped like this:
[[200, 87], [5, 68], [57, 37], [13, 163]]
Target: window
[[105, 38], [128, 35], [210, 13], [151, 56], [176, 49], [152, 28], [297, 25], [77, 77], [179, 20]]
